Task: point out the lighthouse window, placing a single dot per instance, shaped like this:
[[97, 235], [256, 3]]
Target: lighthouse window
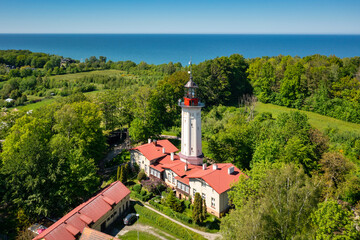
[[192, 125]]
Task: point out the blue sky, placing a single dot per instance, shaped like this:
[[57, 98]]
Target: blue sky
[[170, 16]]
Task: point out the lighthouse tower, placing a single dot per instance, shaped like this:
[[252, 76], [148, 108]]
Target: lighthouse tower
[[191, 148]]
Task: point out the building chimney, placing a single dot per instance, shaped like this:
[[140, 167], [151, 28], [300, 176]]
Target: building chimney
[[186, 167], [172, 156], [204, 166], [163, 149], [149, 140], [214, 166], [230, 170], [155, 142]]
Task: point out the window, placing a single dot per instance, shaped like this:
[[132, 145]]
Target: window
[[194, 191], [203, 195], [173, 179], [203, 184], [212, 202], [187, 189]]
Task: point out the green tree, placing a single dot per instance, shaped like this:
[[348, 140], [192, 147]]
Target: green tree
[[121, 177], [279, 207], [204, 210], [80, 123], [31, 175], [197, 209], [118, 173], [332, 221], [126, 172]]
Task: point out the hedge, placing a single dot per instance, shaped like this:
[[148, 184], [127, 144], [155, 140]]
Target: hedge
[[170, 212]]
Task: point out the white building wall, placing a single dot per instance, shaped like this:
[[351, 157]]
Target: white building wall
[[202, 187], [110, 217], [191, 131], [141, 160]]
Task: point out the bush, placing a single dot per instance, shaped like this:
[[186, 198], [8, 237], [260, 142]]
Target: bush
[[154, 185], [137, 188], [144, 198], [141, 175], [170, 213], [187, 203], [143, 192]]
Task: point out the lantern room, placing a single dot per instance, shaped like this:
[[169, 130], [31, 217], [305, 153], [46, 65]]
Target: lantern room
[[190, 98]]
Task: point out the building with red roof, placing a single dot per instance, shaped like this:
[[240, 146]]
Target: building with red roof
[[96, 213], [185, 171]]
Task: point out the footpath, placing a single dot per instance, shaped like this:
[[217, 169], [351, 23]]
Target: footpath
[[210, 236]]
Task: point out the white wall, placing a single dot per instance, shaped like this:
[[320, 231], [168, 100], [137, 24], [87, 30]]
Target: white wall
[[202, 187]]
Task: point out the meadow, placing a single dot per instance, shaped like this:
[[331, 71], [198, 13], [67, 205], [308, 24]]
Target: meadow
[[316, 120]]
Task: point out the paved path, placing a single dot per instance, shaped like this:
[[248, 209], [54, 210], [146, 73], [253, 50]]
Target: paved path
[[210, 236], [144, 228], [170, 137]]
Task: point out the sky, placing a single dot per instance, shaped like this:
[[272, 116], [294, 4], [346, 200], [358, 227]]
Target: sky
[[181, 16]]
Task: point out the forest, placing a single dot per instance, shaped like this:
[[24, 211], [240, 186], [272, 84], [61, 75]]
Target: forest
[[302, 183]]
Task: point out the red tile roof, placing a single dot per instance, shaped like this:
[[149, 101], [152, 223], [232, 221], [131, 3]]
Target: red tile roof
[[157, 167], [152, 151], [218, 179], [90, 211], [92, 234]]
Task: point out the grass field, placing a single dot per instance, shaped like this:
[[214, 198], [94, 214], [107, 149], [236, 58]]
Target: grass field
[[133, 235], [148, 217], [316, 120], [109, 72]]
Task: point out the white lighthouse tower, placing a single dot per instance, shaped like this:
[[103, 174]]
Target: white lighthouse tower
[[191, 148]]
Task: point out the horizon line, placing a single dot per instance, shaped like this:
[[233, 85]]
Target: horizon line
[[195, 33]]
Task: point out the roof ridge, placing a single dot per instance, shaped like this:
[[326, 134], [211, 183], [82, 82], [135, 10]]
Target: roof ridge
[[75, 210]]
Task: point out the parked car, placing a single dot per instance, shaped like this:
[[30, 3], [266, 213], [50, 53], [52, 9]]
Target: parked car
[[130, 218]]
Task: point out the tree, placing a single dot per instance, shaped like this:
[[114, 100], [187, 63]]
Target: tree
[[197, 208], [121, 177], [336, 169], [332, 221], [279, 207], [141, 175], [118, 173], [204, 210], [126, 172], [80, 123], [171, 200], [31, 174]]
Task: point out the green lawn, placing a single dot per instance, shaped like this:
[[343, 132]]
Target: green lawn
[[109, 72], [148, 217], [133, 235], [33, 106], [316, 120]]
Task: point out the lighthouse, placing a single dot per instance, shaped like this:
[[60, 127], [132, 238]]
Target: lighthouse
[[191, 147]]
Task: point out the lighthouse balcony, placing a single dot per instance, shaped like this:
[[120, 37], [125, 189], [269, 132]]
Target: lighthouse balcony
[[189, 102]]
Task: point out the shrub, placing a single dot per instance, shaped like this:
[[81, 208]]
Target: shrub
[[141, 175], [187, 203], [154, 185], [143, 192], [137, 188]]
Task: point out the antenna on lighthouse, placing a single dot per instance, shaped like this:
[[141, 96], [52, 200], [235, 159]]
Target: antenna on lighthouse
[[190, 72]]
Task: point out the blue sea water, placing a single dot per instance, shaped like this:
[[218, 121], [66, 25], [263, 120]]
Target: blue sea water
[[163, 48]]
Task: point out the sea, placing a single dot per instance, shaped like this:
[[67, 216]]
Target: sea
[[165, 48]]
